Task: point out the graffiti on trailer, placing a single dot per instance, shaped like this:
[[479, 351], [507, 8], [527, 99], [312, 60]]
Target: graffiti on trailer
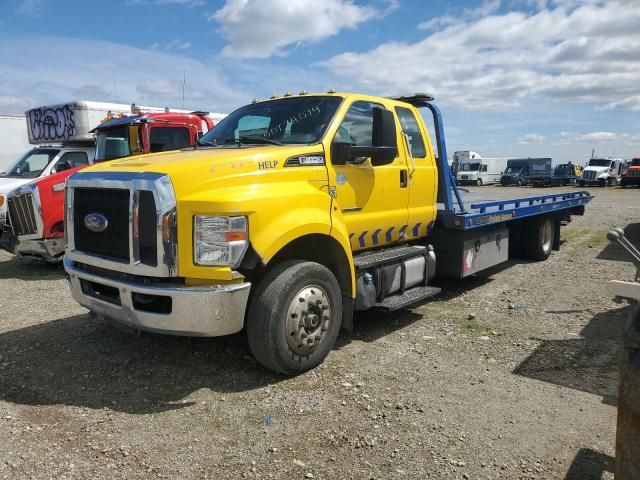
[[48, 123]]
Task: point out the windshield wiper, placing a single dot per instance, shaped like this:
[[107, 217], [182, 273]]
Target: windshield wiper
[[244, 139]]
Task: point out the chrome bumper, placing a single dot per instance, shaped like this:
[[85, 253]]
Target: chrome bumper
[[50, 250], [207, 311]]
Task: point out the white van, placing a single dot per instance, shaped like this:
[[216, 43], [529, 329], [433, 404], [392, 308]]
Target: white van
[[480, 171]]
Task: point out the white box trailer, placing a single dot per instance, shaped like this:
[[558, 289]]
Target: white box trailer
[[73, 121], [13, 139], [477, 170]]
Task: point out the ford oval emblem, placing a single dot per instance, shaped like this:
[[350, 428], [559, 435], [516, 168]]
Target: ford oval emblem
[[96, 222]]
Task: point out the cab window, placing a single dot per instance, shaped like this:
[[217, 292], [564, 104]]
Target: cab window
[[411, 129], [73, 159], [357, 126], [162, 139]]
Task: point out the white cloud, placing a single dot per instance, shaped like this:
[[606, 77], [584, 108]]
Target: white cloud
[[119, 73], [264, 28], [626, 138], [14, 104], [532, 139], [576, 51], [29, 8], [174, 44]]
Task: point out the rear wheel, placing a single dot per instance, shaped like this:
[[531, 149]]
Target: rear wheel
[[538, 238], [294, 317], [519, 183]]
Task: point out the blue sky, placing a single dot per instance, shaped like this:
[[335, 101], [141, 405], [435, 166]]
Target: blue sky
[[513, 77]]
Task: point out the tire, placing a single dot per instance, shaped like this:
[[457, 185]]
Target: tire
[[519, 184], [275, 338], [611, 182], [538, 238], [479, 182]]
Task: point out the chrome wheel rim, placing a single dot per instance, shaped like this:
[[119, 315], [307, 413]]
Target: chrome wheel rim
[[547, 236], [308, 318]]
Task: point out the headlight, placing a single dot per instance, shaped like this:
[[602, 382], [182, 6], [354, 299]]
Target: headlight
[[219, 241], [1, 200]]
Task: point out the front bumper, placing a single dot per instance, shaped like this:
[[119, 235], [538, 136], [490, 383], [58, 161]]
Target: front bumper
[[207, 311], [50, 249], [504, 181], [630, 181]]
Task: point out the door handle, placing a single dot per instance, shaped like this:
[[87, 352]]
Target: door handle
[[403, 179]]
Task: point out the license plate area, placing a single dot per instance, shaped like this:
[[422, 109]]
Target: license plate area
[[101, 292]]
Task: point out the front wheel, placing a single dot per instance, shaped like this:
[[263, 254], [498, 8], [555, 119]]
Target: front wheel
[[479, 182], [294, 317]]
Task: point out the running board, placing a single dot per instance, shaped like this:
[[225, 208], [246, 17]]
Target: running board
[[367, 260], [409, 298]]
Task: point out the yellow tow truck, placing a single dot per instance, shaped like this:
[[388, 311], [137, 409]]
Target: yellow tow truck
[[288, 216]]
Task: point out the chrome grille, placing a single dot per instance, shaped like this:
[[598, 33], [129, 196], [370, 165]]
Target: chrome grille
[[22, 214], [589, 175], [140, 235]]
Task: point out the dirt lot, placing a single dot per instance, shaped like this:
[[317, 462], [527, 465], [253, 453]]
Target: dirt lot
[[525, 388]]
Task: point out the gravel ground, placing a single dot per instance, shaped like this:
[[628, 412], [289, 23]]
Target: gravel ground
[[510, 375]]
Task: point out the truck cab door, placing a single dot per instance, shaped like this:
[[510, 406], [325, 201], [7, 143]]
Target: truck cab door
[[423, 174], [373, 199]]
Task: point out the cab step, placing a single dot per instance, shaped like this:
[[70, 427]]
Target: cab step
[[367, 260], [409, 298]]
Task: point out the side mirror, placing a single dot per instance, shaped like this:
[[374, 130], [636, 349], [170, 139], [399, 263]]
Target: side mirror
[[62, 166], [384, 137], [383, 149]]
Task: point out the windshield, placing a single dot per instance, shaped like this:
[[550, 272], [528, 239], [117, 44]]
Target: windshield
[[32, 163], [114, 143], [296, 120], [563, 170], [599, 162], [512, 170], [470, 167]]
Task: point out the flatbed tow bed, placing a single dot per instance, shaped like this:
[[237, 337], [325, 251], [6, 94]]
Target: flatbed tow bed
[[487, 232]]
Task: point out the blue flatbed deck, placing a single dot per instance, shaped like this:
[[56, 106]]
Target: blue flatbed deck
[[481, 213], [453, 212]]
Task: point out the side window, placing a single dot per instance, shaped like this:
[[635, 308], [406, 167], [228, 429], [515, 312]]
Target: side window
[[357, 126], [411, 128], [73, 160], [483, 168], [162, 139]]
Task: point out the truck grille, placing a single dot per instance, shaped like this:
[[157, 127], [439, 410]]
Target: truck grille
[[22, 214], [147, 232], [133, 227], [589, 175], [113, 204], [634, 173]]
